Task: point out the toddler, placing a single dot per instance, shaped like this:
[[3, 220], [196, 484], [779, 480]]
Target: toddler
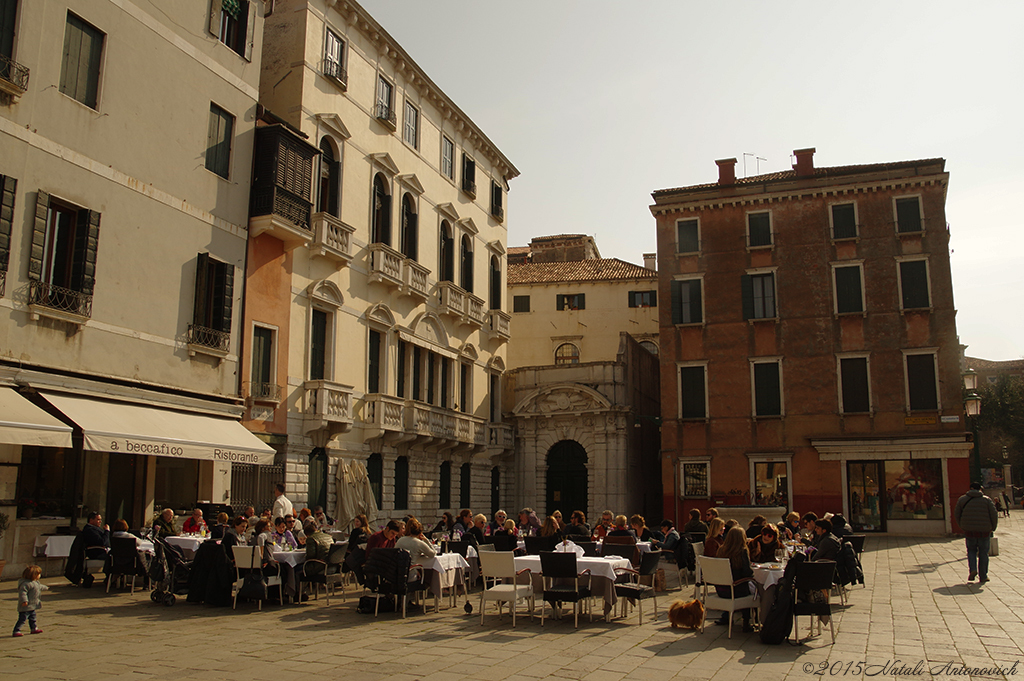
[[29, 591]]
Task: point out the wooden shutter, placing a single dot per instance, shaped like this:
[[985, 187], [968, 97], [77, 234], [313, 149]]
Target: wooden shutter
[[654, 298], [214, 25], [35, 255], [8, 185], [914, 282], [250, 31], [691, 392], [677, 302], [560, 302], [373, 378], [632, 298], [747, 286], [224, 296], [385, 212], [854, 374], [767, 397], [7, 15], [334, 174], [921, 380], [848, 295], [581, 301], [83, 264], [199, 312]]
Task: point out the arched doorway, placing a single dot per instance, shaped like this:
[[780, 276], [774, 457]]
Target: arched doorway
[[567, 478]]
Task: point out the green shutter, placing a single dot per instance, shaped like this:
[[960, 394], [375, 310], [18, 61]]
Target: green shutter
[[581, 301], [767, 396], [225, 296], [199, 312], [35, 255], [677, 302], [848, 295], [8, 186], [654, 299], [334, 173], [559, 302], [632, 298], [747, 287], [83, 264]]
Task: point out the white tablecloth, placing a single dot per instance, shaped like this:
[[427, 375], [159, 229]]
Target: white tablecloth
[[293, 558], [767, 576], [54, 546], [644, 546], [146, 546], [444, 571], [187, 543], [602, 575]]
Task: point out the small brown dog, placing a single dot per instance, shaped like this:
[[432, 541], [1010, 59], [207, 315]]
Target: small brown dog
[[686, 615]]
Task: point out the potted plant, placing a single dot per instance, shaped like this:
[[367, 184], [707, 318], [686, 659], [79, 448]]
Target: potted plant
[[27, 508]]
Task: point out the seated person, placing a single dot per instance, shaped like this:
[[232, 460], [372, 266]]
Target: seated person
[[95, 537], [415, 543], [735, 549], [445, 524], [497, 524], [385, 539], [549, 528], [714, 539], [604, 526], [577, 529], [121, 532], [529, 523], [620, 528], [695, 524], [475, 535], [791, 527], [222, 526], [282, 537], [264, 539], [464, 521], [322, 518], [318, 545], [163, 526], [640, 529], [763, 547], [360, 533], [194, 524], [827, 545], [235, 536], [557, 515], [754, 527], [670, 534], [296, 530]]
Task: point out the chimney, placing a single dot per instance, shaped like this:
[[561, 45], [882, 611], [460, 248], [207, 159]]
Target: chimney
[[651, 261], [726, 171], [804, 162]]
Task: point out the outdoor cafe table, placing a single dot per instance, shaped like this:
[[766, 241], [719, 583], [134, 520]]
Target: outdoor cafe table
[[444, 571], [602, 575], [189, 543], [290, 562], [54, 546], [766, 575]]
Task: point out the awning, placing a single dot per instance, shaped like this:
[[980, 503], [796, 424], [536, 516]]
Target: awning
[[137, 429], [23, 423]]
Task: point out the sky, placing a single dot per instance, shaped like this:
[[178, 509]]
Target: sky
[[599, 103]]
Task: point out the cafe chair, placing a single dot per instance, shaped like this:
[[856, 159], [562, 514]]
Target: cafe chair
[[621, 546], [124, 561], [589, 548], [326, 573], [534, 545], [634, 590], [505, 542], [857, 540], [500, 568], [557, 570], [388, 573], [251, 558], [718, 572], [813, 577], [698, 551]]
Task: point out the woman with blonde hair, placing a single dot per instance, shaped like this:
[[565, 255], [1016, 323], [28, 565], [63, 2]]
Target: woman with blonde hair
[[550, 527], [714, 539], [734, 548]]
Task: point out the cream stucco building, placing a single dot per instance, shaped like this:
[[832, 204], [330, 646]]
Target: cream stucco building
[[582, 386], [126, 133], [375, 287]]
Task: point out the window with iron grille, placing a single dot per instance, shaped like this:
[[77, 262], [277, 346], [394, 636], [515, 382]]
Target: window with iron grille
[[468, 175], [385, 100], [687, 301], [921, 382], [334, 57], [218, 141], [767, 389], [567, 353], [214, 298], [695, 480], [80, 63], [844, 220], [759, 229], [497, 200], [62, 260]]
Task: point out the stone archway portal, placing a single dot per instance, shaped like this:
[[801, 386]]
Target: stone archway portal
[[567, 483]]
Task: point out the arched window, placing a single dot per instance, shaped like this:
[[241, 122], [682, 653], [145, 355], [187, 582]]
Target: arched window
[[495, 280], [410, 227], [567, 353], [330, 175], [467, 263], [446, 265], [381, 211], [649, 346]]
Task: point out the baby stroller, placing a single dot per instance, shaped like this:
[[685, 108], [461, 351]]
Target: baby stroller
[[168, 572]]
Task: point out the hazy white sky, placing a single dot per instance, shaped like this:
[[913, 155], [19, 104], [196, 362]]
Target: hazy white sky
[[599, 103]]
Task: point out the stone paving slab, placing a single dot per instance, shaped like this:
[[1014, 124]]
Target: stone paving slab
[[917, 617]]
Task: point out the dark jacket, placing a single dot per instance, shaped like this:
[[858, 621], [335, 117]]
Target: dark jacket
[[95, 541], [696, 526], [827, 548], [740, 570], [622, 533], [582, 530], [975, 513]]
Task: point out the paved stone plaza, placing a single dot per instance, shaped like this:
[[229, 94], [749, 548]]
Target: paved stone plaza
[[917, 611]]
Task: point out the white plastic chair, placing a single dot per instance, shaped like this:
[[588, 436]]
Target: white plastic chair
[[698, 551], [717, 572], [500, 565], [251, 558]]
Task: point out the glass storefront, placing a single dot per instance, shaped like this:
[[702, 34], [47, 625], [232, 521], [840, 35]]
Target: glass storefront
[[903, 489]]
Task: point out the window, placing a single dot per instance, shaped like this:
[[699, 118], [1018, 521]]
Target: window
[[465, 387], [447, 157], [80, 64], [465, 484], [375, 474], [410, 228], [446, 379], [494, 397], [567, 353], [218, 141], [571, 301], [687, 301], [917, 483], [8, 186], [446, 264], [643, 299], [334, 58], [767, 388], [694, 480], [922, 392], [417, 372], [497, 209], [759, 229], [330, 176], [914, 284], [403, 353], [520, 303], [849, 296], [469, 175], [62, 260], [844, 220], [381, 232], [495, 280], [908, 215], [262, 381], [402, 482], [770, 481], [445, 486], [687, 236], [467, 263], [234, 22], [650, 346], [759, 296], [692, 392], [495, 489], [373, 377], [411, 133], [318, 340], [854, 388], [47, 476], [211, 313], [385, 102]]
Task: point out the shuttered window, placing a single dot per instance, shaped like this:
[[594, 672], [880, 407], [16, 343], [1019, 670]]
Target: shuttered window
[[914, 284], [520, 303], [687, 305], [844, 221], [8, 186], [853, 375], [921, 386], [849, 297], [373, 361], [692, 395], [758, 296], [233, 22], [262, 357], [767, 389], [218, 141], [65, 241], [447, 158], [571, 301], [687, 236], [759, 229], [643, 299], [318, 338], [215, 282], [412, 125], [80, 62], [908, 215]]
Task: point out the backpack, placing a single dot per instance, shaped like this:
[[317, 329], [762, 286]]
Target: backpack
[[778, 623], [367, 604]]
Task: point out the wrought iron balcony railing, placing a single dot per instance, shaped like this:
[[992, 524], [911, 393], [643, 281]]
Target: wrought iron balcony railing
[[277, 201], [206, 337], [337, 72], [386, 115], [265, 392], [59, 298], [14, 75]]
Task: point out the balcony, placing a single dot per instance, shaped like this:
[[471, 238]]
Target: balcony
[[57, 302], [394, 270], [384, 417], [265, 393], [203, 340], [327, 409], [499, 438], [337, 73], [281, 214], [332, 238], [385, 114], [414, 279], [500, 325], [497, 212], [13, 77], [279, 199], [461, 305], [398, 420], [469, 187]]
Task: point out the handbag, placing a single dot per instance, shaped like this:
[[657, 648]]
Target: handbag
[[254, 583]]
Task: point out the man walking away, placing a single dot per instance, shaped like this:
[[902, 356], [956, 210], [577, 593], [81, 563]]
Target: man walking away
[[977, 517]]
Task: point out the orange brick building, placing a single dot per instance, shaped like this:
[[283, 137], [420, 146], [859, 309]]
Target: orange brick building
[[810, 359]]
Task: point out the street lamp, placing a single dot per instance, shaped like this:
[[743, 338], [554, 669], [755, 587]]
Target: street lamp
[[972, 405]]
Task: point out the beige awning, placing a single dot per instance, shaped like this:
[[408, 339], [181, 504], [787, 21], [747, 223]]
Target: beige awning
[[23, 423], [139, 429]]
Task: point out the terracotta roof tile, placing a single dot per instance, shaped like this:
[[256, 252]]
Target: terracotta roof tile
[[977, 363], [602, 269]]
